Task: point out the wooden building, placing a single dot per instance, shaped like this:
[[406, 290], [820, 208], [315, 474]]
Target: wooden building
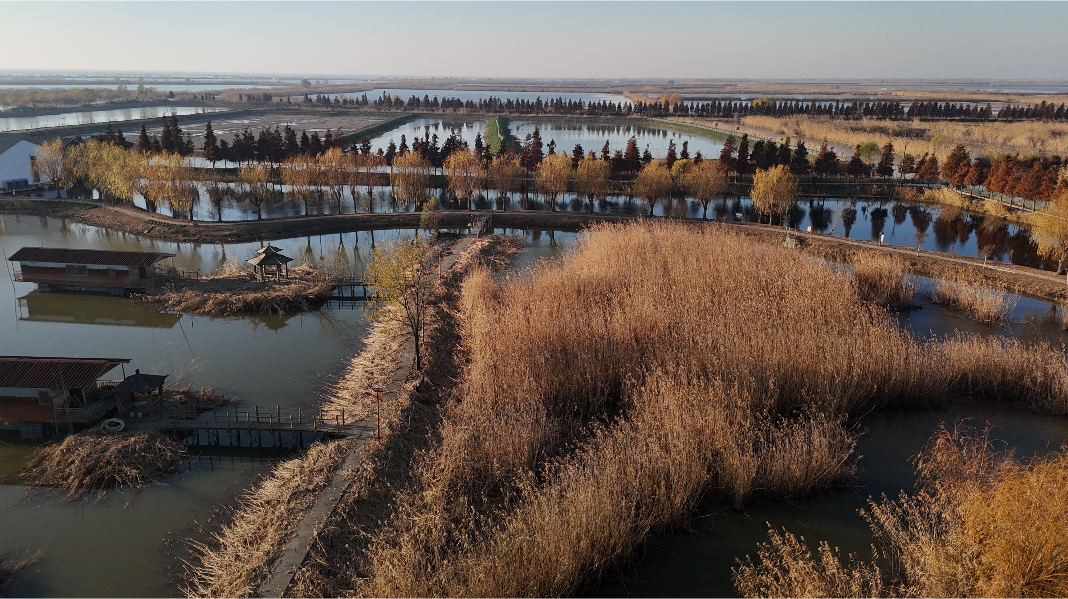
[[271, 263], [149, 386], [53, 390], [58, 269]]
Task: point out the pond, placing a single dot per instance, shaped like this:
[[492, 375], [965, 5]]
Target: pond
[[90, 117], [565, 132], [125, 545]]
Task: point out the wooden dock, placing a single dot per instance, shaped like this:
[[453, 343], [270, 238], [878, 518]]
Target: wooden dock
[[259, 420], [351, 285]]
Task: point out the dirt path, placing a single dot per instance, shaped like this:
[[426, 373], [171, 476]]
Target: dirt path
[[1011, 277]]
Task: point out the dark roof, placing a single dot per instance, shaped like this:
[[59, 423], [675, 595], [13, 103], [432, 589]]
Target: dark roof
[[102, 257], [9, 139], [29, 372], [270, 248], [140, 383], [269, 259]]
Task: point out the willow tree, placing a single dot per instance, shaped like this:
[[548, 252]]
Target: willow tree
[[591, 178], [402, 285], [774, 191], [652, 184], [1049, 230], [254, 179], [503, 175], [109, 169], [50, 161], [705, 181], [410, 179], [299, 173], [464, 170], [368, 167], [552, 176], [335, 172]]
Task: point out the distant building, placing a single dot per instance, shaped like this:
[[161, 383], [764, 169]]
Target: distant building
[[17, 157], [57, 269], [61, 391]]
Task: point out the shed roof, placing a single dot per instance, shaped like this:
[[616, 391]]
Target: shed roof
[[7, 140], [99, 257], [140, 383], [29, 372]]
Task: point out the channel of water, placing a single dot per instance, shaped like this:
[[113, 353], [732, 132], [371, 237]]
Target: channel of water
[[89, 117], [124, 545]]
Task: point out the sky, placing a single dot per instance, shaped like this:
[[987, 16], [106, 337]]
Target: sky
[[780, 40]]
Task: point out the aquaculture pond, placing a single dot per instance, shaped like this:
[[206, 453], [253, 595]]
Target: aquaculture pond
[[592, 135], [89, 117]]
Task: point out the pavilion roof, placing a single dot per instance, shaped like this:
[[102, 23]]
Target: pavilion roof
[[140, 383]]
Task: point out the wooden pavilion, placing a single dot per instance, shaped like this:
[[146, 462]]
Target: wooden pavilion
[[271, 263], [148, 385]]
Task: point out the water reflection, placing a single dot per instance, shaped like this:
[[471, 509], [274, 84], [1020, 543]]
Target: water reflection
[[90, 117]]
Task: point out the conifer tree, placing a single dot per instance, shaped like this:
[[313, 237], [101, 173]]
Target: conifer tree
[[885, 168], [211, 148], [144, 143], [741, 164]]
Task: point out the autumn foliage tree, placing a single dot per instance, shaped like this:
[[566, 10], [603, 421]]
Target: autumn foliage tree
[[552, 176], [774, 190], [591, 179], [705, 181], [465, 173], [653, 184]]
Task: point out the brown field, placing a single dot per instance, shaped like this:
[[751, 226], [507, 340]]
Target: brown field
[[1028, 138]]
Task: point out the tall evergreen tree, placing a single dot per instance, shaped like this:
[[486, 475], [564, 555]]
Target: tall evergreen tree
[[672, 156], [726, 155], [885, 167], [631, 156], [144, 142], [211, 147], [741, 164]]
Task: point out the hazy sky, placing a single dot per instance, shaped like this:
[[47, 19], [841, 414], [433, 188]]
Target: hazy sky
[[553, 39]]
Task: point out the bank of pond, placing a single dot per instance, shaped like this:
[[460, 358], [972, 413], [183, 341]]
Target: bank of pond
[[129, 543]]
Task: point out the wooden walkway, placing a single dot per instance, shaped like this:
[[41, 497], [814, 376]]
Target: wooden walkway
[[259, 419]]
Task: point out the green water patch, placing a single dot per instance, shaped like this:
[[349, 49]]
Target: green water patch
[[498, 135]]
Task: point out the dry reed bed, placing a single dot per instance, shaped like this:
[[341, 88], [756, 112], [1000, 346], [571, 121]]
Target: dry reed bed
[[372, 367], [95, 462], [963, 292], [981, 524], [603, 396], [884, 279], [235, 291], [239, 557], [990, 139]]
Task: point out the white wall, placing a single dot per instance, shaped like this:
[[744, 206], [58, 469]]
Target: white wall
[[15, 163]]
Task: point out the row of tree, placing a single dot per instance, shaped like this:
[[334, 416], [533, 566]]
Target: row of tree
[[673, 105]]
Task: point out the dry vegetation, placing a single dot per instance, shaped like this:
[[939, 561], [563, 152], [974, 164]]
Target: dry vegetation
[[372, 367], [883, 279], [938, 137], [10, 566], [231, 293], [239, 558], [94, 462], [604, 395], [981, 525], [237, 561], [964, 293]]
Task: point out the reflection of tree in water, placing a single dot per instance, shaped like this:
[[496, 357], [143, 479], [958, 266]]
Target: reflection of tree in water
[[341, 262], [900, 212], [878, 221], [849, 216], [921, 221], [307, 255], [820, 218], [795, 215]]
